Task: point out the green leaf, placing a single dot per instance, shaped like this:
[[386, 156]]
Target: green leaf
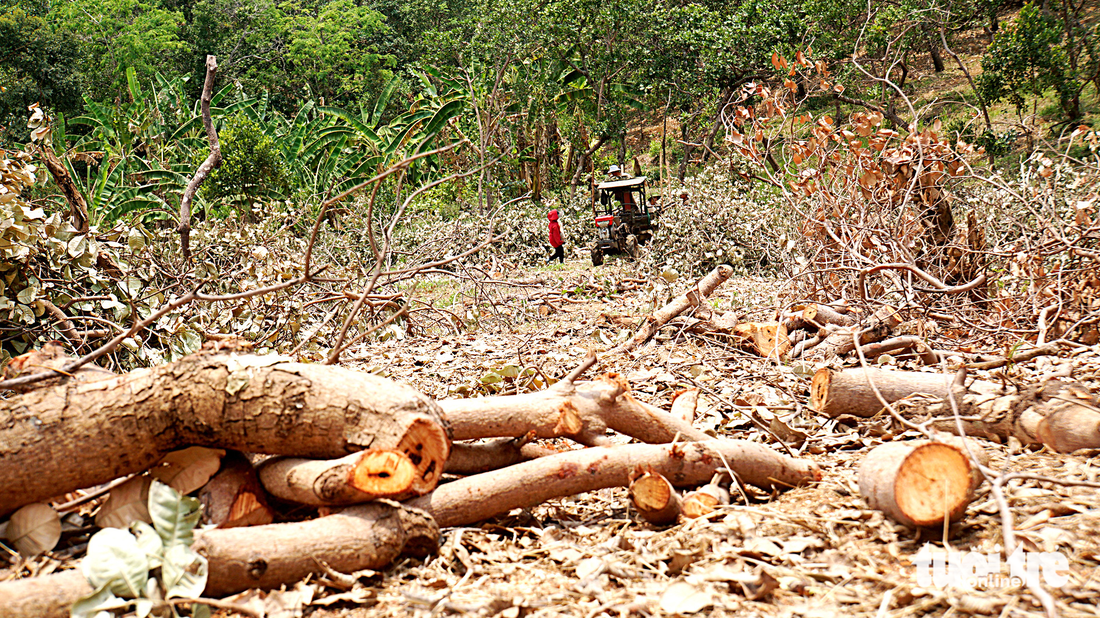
[[174, 516], [91, 606], [491, 378], [184, 572], [135, 240], [115, 561], [149, 542]]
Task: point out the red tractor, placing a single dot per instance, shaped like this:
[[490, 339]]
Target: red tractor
[[627, 218]]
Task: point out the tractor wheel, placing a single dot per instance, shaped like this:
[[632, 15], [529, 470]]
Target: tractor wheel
[[632, 246], [597, 256]]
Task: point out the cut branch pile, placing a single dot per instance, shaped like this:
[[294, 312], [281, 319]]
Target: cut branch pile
[[326, 437]]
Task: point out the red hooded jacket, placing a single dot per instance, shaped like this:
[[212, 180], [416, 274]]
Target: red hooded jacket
[[555, 229]]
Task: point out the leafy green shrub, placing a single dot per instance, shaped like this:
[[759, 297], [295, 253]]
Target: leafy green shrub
[[252, 166]]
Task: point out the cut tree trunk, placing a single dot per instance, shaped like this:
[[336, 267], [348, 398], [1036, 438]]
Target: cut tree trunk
[[1063, 416], [475, 458], [680, 304], [479, 497], [370, 536], [840, 342], [357, 478], [898, 344], [234, 497], [77, 435], [834, 392], [656, 500], [918, 484], [582, 411]]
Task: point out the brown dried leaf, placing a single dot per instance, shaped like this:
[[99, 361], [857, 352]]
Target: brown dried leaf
[[34, 529]]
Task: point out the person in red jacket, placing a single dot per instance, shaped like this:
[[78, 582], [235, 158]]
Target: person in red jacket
[[555, 238]]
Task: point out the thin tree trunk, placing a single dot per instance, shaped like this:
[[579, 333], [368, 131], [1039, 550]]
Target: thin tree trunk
[[211, 162]]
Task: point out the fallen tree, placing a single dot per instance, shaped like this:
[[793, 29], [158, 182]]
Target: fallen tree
[[582, 411], [476, 498], [78, 435], [370, 536]]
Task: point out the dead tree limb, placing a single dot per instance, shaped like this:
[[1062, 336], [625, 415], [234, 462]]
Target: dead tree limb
[[78, 208], [370, 536], [840, 341], [582, 411], [479, 497], [895, 344], [81, 434], [1064, 416], [680, 304], [212, 161], [475, 458]]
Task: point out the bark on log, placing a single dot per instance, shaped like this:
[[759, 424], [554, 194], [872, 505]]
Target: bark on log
[[1063, 416], [370, 536], [894, 344], [918, 484], [834, 392], [680, 304], [78, 435], [583, 411], [355, 479], [816, 316], [654, 497], [78, 208], [475, 458], [840, 342], [479, 497], [234, 497]]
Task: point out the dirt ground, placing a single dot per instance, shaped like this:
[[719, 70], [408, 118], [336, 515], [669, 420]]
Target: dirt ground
[[811, 551]]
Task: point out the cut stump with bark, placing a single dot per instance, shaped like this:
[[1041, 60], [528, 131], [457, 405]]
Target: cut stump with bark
[[835, 392], [654, 497], [357, 478], [919, 484]]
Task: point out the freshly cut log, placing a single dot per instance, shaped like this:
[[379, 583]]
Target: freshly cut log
[[834, 392], [680, 304], [840, 342], [704, 500], [765, 338], [1061, 415], [656, 500], [479, 497], [357, 478], [918, 484], [475, 458], [582, 411], [816, 316], [81, 434], [234, 497], [895, 344], [370, 536]]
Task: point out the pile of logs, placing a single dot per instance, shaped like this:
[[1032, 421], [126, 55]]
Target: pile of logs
[[367, 453]]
